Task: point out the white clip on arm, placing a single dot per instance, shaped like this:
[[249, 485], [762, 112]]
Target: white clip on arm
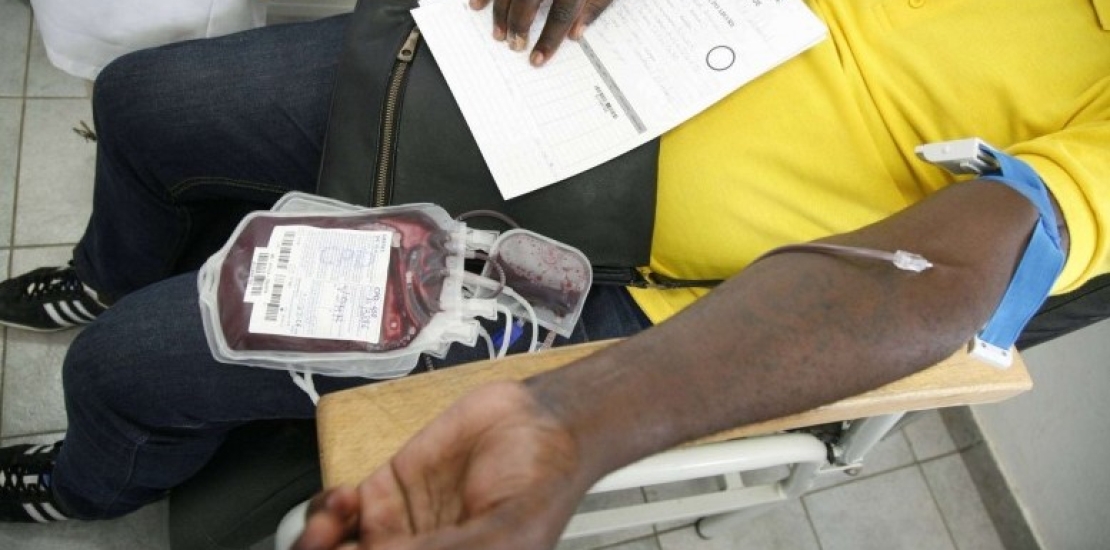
[[961, 156]]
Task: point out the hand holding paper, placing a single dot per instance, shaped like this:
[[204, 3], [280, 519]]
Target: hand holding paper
[[513, 20]]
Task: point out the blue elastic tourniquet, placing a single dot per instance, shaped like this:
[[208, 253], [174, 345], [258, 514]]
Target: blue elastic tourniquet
[[1040, 265]]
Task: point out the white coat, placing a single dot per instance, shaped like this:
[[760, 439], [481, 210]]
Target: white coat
[[82, 36]]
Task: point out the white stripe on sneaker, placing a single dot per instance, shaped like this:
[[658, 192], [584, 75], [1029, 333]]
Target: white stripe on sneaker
[[35, 449], [53, 313], [52, 511], [34, 513], [73, 317], [94, 295], [81, 309]]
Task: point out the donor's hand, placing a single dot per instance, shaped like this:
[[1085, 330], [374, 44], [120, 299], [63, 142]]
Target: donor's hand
[[512, 20], [496, 471]]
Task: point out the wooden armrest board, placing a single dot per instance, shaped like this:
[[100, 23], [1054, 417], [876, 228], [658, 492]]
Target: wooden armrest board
[[361, 428]]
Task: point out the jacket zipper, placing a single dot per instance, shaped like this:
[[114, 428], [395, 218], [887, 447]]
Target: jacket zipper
[[389, 117], [644, 277]]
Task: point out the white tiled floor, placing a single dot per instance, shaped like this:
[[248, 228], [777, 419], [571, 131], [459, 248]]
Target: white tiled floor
[[914, 492]]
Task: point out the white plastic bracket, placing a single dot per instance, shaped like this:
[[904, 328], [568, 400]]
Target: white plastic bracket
[[992, 354], [961, 156]]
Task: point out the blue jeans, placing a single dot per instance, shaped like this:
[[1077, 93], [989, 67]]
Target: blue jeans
[[193, 136]]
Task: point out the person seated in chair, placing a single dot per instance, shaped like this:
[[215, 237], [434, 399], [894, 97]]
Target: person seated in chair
[[820, 150]]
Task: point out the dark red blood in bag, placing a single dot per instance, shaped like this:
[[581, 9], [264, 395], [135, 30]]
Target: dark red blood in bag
[[417, 269]]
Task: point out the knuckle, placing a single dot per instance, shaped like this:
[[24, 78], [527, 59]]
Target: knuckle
[[562, 14], [594, 8], [519, 28]]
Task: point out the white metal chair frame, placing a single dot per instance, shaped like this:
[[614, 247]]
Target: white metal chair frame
[[805, 454]]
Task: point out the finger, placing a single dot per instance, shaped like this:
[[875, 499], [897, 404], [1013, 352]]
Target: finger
[[331, 517], [503, 529], [562, 15], [434, 490], [590, 11], [498, 20], [325, 529], [521, 15], [316, 503], [437, 499], [433, 467], [342, 500], [501, 18], [386, 513]]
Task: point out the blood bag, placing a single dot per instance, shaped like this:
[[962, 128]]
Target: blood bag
[[320, 286], [348, 293]]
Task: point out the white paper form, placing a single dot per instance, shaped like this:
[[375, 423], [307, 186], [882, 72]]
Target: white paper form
[[642, 68]]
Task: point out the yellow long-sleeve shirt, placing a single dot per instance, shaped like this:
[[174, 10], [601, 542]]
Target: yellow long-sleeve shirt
[[824, 144]]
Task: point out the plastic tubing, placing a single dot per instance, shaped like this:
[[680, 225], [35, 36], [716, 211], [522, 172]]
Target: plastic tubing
[[484, 335], [906, 261], [305, 383], [508, 330], [482, 282], [508, 291]]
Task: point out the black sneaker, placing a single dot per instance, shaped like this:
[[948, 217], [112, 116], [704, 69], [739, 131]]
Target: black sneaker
[[25, 494], [48, 299]]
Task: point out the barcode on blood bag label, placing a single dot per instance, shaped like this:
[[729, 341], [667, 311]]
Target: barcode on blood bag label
[[285, 251], [261, 265], [273, 305]]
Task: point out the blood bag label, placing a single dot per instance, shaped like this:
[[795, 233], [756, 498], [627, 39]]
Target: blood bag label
[[320, 283]]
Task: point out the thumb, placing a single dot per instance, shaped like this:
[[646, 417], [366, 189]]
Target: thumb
[[590, 12]]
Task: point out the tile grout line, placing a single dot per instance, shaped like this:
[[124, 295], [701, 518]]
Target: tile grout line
[[858, 478], [59, 434], [809, 520], [27, 78], [47, 97], [975, 453], [27, 66], [861, 478], [914, 465], [626, 541], [654, 527], [1005, 513], [933, 497], [657, 533], [15, 196], [35, 246]]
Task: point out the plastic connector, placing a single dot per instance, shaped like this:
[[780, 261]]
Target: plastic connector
[[479, 240], [908, 261], [480, 307], [961, 156], [991, 354], [463, 333]]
